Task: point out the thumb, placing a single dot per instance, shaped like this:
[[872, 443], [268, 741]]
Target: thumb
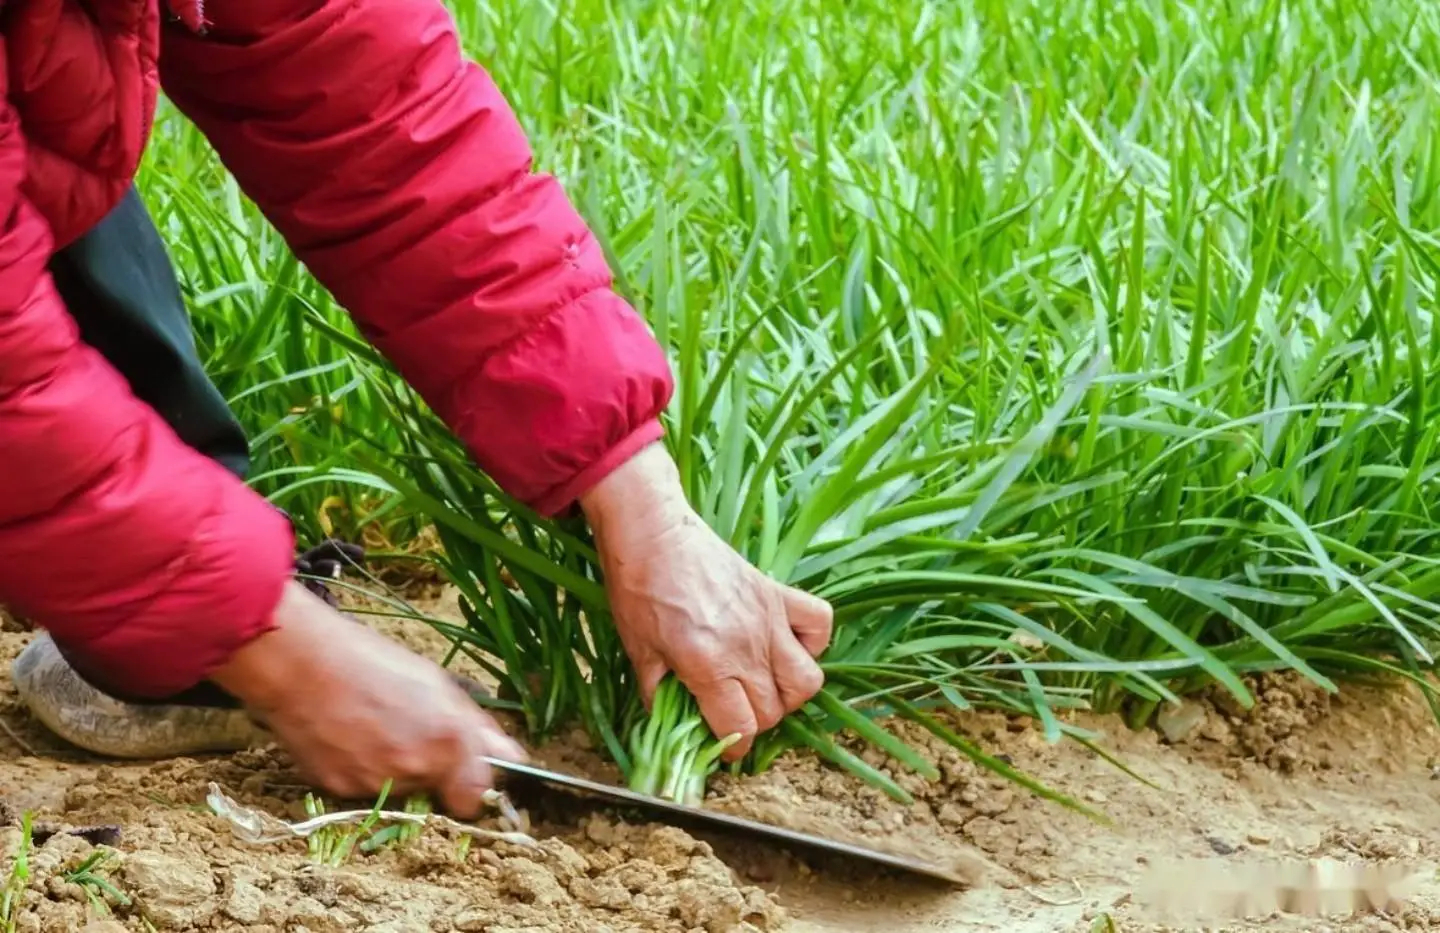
[[462, 792], [650, 672], [811, 618]]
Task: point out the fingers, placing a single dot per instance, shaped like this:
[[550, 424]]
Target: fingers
[[495, 743], [463, 792], [797, 676], [771, 688], [462, 788], [649, 664], [727, 710], [463, 785], [764, 701], [811, 619]]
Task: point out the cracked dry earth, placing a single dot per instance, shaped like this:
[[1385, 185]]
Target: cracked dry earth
[[1303, 777]]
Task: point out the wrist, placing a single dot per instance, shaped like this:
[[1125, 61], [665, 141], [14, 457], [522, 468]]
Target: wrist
[[261, 673], [645, 486]]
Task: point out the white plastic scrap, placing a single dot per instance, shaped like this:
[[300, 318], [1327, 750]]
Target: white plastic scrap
[[259, 828]]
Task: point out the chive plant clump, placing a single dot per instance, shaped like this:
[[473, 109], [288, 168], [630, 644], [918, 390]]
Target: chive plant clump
[[1080, 354]]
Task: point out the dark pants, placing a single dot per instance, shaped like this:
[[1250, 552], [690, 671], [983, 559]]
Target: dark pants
[[119, 285]]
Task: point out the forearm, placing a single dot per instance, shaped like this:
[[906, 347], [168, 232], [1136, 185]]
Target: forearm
[[266, 669], [646, 486]]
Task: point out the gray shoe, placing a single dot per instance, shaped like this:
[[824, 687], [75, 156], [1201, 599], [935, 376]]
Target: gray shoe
[[85, 716]]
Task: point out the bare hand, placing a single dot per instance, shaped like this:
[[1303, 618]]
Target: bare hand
[[686, 602], [355, 709]]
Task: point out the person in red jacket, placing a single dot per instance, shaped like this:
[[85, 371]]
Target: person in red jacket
[[397, 173]]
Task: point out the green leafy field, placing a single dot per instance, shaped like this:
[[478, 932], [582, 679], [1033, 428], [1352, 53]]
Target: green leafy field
[[1081, 353]]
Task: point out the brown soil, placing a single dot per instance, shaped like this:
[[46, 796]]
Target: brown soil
[[1305, 776]]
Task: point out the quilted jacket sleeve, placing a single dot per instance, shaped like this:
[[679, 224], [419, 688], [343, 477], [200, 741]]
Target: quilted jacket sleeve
[[401, 178], [148, 561]]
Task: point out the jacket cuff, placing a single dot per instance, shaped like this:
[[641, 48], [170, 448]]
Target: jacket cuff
[[560, 499]]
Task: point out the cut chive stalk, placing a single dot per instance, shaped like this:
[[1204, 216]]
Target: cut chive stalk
[[672, 751]]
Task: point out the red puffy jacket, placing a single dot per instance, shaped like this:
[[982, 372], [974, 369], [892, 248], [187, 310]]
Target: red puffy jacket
[[402, 180]]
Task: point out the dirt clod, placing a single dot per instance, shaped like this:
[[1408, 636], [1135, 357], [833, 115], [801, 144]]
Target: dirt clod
[[528, 881], [1177, 723], [244, 901], [174, 893]]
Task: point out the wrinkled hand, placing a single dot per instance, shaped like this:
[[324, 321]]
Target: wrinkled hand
[[355, 709], [685, 602]]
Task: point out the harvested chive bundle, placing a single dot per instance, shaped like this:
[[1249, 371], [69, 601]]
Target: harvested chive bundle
[[672, 752]]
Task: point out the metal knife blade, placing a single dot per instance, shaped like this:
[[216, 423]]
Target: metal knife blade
[[728, 821]]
